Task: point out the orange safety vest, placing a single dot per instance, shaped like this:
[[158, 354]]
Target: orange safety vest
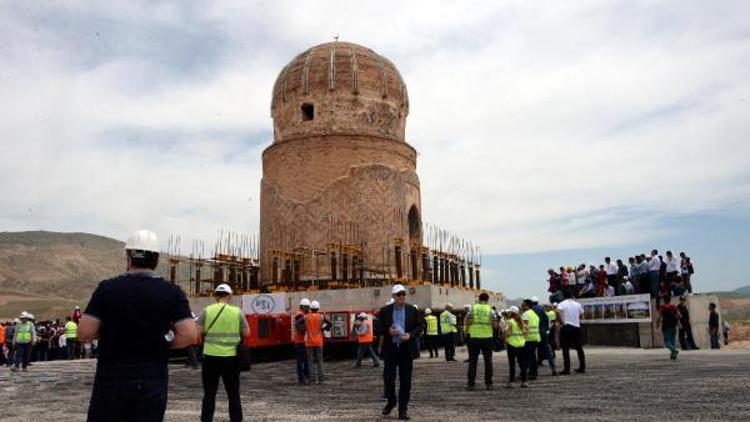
[[2, 335], [298, 337], [314, 330], [367, 337]]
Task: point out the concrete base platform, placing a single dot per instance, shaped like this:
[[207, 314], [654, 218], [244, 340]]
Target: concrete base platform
[[372, 298], [620, 385]]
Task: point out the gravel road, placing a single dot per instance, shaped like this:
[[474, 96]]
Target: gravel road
[[620, 385]]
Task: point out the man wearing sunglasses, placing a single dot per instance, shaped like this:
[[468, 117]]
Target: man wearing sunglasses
[[401, 324]]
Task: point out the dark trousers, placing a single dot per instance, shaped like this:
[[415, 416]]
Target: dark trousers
[[72, 349], [228, 369], [365, 349], [22, 355], [570, 338], [714, 340], [450, 345], [432, 345], [613, 281], [653, 283], [42, 351], [398, 358], [685, 334], [544, 352], [192, 356], [484, 346], [531, 347], [303, 370], [123, 399], [516, 354]]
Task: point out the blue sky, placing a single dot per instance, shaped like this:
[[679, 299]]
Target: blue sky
[[570, 131]]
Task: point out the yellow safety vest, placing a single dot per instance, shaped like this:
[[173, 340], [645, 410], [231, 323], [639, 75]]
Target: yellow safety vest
[[432, 325], [447, 323], [23, 332], [552, 316], [515, 338], [481, 321], [533, 326], [224, 336], [71, 330]]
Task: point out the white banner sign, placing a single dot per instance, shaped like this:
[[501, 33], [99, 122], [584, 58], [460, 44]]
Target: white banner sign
[[264, 304], [616, 309]]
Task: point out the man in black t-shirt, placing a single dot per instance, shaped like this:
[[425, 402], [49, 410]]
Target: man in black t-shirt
[[137, 317], [685, 334]]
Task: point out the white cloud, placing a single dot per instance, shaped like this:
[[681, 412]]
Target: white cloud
[[551, 126]]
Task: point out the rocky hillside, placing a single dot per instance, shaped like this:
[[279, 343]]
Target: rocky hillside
[[57, 265]]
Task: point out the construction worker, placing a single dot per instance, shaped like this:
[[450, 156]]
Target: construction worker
[[223, 327], [3, 360], [24, 339], [71, 338], [363, 331], [448, 328], [314, 325], [465, 331], [77, 314], [136, 317], [480, 322], [431, 336], [515, 342], [298, 337], [543, 350], [532, 336]]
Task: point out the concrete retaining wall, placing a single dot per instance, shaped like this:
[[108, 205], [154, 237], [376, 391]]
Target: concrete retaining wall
[[646, 335]]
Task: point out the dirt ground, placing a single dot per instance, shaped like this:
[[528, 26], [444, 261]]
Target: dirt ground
[[620, 385]]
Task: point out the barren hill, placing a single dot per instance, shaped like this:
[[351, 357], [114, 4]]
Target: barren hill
[[57, 265]]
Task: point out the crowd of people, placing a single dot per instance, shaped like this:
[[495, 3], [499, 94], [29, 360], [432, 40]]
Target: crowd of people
[[25, 340], [131, 375], [656, 275]]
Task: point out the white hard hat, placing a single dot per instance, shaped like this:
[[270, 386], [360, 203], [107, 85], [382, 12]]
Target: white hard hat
[[314, 305], [415, 306], [362, 315], [78, 307], [24, 314], [398, 288], [30, 316], [514, 309], [304, 302], [223, 288], [428, 311], [534, 299], [449, 305], [143, 240], [467, 306]]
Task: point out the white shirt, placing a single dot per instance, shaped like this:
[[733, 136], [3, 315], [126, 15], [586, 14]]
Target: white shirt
[[611, 269], [654, 264], [570, 312], [629, 287], [672, 265]]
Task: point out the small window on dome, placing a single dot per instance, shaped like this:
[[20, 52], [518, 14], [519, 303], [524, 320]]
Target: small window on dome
[[308, 112]]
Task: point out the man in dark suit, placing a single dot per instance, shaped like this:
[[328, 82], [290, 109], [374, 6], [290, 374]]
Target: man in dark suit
[[400, 325]]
